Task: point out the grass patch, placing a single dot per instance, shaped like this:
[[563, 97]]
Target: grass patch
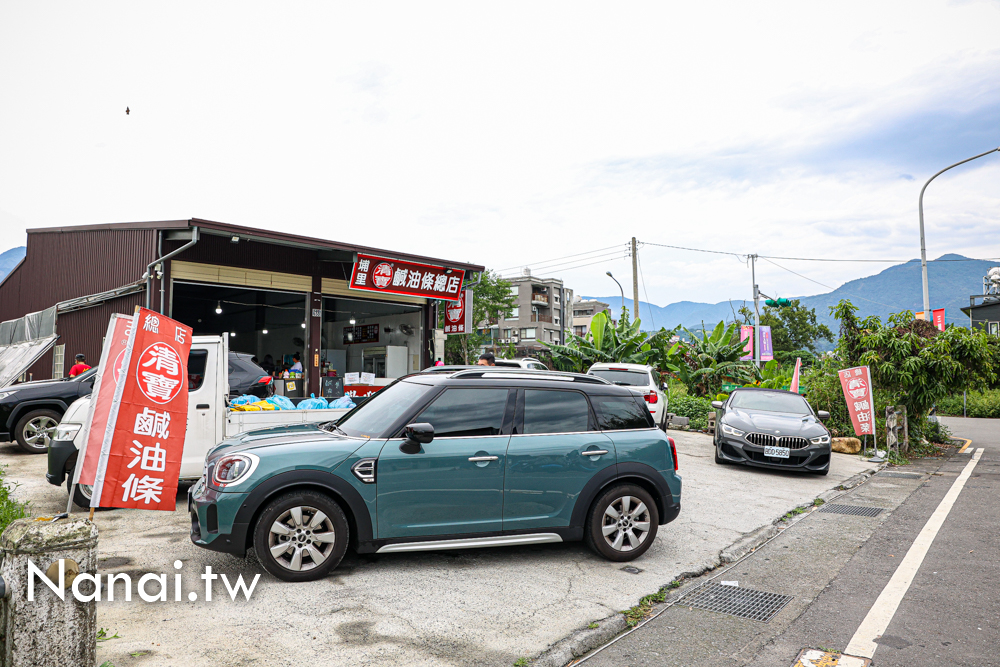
[[639, 612], [593, 626], [103, 636], [818, 502], [10, 509], [521, 662], [795, 512]]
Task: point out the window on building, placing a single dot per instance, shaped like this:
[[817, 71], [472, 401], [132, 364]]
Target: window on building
[[515, 313], [58, 357], [528, 333], [555, 319], [580, 331], [506, 333]]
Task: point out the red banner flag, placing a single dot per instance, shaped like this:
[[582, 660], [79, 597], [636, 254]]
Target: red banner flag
[[112, 355], [857, 385], [144, 439]]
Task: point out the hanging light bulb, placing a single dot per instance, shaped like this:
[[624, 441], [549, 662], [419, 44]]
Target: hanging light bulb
[[232, 334], [218, 308], [303, 325], [353, 320], [265, 331]]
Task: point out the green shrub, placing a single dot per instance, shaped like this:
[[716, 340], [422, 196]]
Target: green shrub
[[693, 407], [10, 509], [978, 404]]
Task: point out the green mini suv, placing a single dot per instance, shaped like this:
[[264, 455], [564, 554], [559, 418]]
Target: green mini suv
[[466, 459]]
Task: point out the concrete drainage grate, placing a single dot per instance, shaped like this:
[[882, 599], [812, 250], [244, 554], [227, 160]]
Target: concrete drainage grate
[[742, 602], [853, 510]]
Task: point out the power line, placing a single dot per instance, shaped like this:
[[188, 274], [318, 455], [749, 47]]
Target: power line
[[580, 266], [553, 267], [549, 261], [819, 259], [832, 289]]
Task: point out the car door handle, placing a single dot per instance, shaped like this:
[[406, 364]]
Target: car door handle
[[202, 406], [478, 459], [595, 452]]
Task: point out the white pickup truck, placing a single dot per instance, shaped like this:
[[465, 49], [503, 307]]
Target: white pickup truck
[[210, 420]]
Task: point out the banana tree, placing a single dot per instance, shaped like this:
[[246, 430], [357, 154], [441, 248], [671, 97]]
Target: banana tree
[[606, 342], [702, 362]]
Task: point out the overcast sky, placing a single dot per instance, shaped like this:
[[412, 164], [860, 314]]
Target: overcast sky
[[515, 134]]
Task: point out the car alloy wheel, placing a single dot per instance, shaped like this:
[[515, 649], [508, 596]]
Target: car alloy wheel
[[626, 523], [623, 522], [301, 538], [34, 431]]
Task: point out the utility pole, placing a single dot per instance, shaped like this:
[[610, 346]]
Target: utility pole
[[756, 311], [635, 283]]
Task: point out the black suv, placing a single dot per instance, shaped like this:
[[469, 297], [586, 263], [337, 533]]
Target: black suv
[[30, 411]]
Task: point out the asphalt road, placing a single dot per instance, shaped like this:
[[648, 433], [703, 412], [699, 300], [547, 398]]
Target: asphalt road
[[477, 607], [837, 566]]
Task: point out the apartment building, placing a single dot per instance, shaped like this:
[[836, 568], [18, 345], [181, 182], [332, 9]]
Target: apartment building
[[583, 313], [543, 313]]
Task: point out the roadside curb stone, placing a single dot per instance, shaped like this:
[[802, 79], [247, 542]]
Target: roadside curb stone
[[583, 641]]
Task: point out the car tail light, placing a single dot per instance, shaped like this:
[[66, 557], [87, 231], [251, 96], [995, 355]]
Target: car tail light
[[651, 397], [673, 451], [265, 380], [618, 369]]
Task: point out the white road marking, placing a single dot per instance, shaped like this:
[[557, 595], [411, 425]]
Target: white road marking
[[881, 613]]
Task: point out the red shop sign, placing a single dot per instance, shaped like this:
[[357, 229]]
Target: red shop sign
[[141, 451], [393, 276], [458, 315]]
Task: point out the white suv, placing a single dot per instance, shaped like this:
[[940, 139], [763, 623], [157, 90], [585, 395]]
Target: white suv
[[522, 362], [640, 379]]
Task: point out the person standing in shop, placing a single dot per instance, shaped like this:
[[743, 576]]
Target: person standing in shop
[[297, 366]]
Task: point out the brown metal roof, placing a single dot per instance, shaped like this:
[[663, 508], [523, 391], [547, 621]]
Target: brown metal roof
[[253, 233]]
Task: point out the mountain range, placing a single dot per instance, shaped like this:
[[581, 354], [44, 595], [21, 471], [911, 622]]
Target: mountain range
[[9, 259], [951, 279]]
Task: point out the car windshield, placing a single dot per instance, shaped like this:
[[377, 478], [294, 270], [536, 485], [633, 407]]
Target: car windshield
[[770, 401], [622, 376], [374, 417]]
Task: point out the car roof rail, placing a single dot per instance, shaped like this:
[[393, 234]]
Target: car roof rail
[[527, 374]]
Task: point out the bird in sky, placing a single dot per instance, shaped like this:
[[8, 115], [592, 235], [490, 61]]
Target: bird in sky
[[126, 111]]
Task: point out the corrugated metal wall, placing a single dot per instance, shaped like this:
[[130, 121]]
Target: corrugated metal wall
[[212, 249], [60, 266]]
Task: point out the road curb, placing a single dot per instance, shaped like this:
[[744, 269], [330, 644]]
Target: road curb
[[747, 543], [581, 642]]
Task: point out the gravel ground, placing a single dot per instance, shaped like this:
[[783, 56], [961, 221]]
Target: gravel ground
[[483, 607]]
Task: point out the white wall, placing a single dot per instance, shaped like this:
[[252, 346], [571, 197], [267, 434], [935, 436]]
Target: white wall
[[335, 339]]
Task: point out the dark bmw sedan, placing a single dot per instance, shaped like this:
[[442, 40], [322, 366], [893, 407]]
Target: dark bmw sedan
[[771, 428]]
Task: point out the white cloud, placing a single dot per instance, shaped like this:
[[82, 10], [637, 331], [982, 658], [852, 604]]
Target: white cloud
[[513, 133]]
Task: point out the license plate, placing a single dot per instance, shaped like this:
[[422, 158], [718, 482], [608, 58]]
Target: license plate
[[778, 452]]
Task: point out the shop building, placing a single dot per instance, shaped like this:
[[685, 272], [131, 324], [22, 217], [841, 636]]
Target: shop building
[[338, 306]]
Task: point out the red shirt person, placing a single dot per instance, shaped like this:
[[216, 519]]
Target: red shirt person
[[80, 366]]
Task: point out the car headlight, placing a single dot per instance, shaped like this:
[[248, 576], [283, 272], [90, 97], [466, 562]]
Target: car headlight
[[821, 440], [234, 469], [729, 430], [67, 431]]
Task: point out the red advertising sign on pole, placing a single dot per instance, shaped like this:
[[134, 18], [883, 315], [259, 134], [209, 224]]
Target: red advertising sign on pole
[[112, 354], [394, 276], [458, 315], [144, 438], [938, 318], [857, 385]]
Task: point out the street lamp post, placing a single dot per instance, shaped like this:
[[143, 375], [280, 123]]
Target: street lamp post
[[923, 245], [622, 291]]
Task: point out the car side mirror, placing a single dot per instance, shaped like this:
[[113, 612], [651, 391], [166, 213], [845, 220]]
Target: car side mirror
[[421, 433], [717, 405], [823, 415]]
